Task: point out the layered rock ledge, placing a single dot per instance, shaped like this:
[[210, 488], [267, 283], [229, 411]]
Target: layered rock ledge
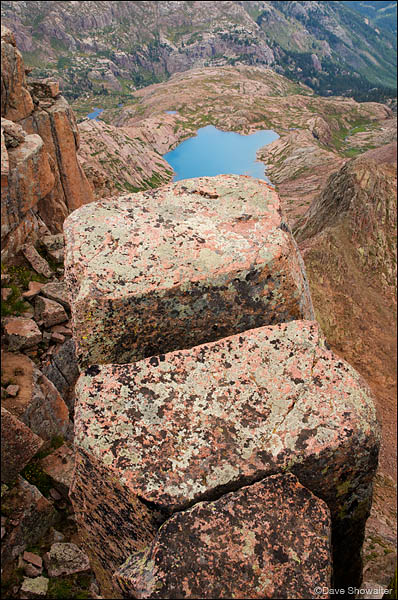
[[157, 436], [189, 263]]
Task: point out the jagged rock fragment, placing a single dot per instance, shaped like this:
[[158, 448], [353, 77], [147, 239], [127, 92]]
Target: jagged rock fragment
[[54, 244], [18, 445], [59, 465], [57, 291], [39, 263], [49, 311], [65, 559], [34, 288], [21, 333], [39, 404]]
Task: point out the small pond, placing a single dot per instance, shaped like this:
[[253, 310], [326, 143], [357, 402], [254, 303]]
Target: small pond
[[214, 152], [95, 113]]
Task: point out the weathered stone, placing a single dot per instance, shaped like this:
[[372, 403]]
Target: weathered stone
[[38, 262], [34, 588], [57, 536], [16, 102], [59, 465], [65, 559], [58, 292], [268, 540], [13, 133], [33, 515], [49, 311], [32, 558], [63, 370], [180, 428], [57, 127], [18, 445], [33, 289], [58, 338], [55, 245], [31, 571], [62, 329], [169, 269], [12, 390], [21, 333], [39, 404], [44, 88], [30, 179], [55, 495]]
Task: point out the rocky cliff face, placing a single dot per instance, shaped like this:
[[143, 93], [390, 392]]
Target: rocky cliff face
[[116, 159], [41, 176], [348, 241]]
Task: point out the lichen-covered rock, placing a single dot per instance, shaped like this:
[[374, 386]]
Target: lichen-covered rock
[[13, 133], [65, 559], [54, 245], [36, 587], [18, 445], [189, 263], [29, 515], [49, 311], [268, 540], [183, 427]]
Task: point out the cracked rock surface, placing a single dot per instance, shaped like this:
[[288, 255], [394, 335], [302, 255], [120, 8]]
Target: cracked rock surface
[[268, 540], [191, 425]]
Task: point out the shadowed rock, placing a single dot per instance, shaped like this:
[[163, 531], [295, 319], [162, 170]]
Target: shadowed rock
[[190, 425], [189, 263], [29, 517], [18, 445], [38, 404], [268, 540]]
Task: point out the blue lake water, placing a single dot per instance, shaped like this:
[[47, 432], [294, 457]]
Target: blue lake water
[[171, 112], [214, 152], [95, 113]]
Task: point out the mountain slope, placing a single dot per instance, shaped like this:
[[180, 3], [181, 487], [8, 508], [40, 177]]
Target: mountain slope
[[116, 46]]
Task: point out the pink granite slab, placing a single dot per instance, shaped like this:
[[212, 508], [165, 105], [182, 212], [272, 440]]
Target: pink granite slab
[[191, 262]]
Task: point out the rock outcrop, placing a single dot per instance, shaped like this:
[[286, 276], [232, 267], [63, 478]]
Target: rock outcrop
[[117, 160], [348, 241], [42, 180], [206, 411], [191, 262], [235, 536]]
